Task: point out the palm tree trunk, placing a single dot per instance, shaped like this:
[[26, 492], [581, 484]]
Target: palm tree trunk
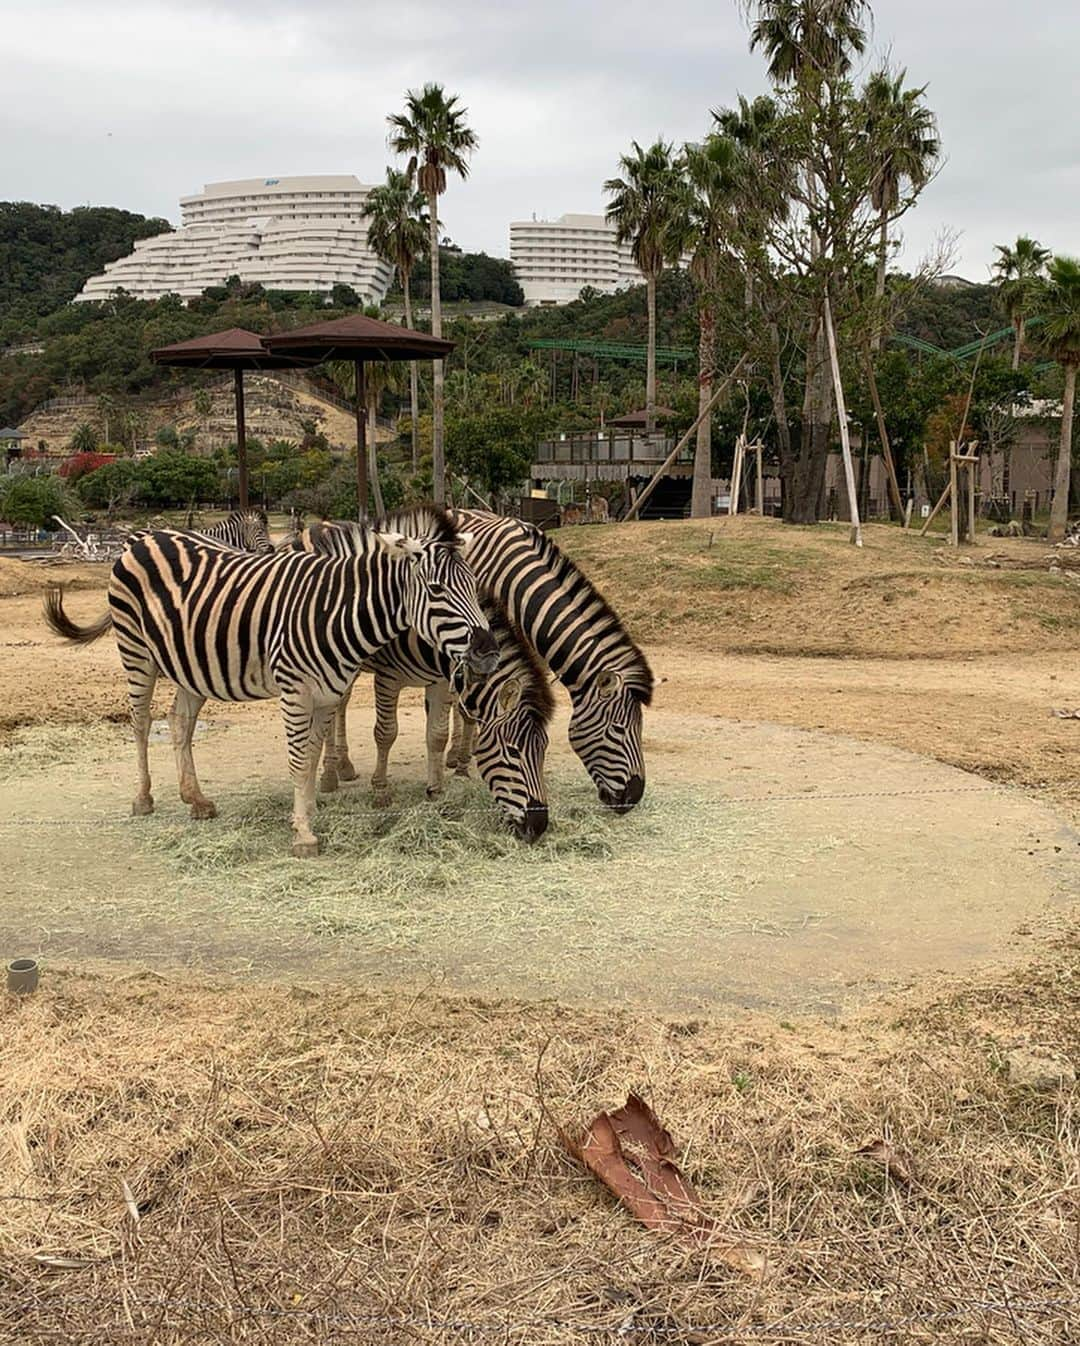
[[1018, 344], [650, 356], [701, 495], [1059, 510], [438, 455], [879, 284], [414, 380], [373, 461]]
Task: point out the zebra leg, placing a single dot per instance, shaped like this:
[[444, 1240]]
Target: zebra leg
[[183, 717], [387, 694], [461, 745], [437, 701], [142, 676], [345, 768], [305, 729]]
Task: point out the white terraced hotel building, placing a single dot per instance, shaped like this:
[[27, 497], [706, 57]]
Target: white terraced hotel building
[[303, 233], [555, 259]]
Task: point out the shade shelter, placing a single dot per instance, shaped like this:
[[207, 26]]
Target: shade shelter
[[236, 349], [637, 420], [361, 340]]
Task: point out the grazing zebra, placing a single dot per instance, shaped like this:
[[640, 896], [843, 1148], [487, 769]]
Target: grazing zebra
[[292, 625], [244, 530], [581, 640], [511, 708]]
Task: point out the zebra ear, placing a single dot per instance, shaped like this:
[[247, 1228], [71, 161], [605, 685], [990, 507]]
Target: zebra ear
[[607, 684], [399, 545], [510, 695]]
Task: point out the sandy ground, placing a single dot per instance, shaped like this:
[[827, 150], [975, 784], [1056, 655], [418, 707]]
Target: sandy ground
[[835, 857]]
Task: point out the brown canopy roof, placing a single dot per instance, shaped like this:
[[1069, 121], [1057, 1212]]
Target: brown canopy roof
[[236, 348], [633, 419], [358, 338]]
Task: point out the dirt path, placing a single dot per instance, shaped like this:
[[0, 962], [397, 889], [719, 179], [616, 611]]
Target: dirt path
[[770, 866]]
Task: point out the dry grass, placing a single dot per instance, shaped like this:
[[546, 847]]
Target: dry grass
[[305, 1164], [759, 586]]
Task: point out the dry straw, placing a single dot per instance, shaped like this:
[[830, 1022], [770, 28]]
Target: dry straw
[[305, 1166]]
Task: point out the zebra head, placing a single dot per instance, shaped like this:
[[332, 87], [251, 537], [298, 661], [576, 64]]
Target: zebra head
[[251, 530], [440, 598], [512, 709], [605, 732]]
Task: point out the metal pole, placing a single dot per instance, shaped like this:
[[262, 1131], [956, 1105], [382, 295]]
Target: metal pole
[[241, 440], [845, 442], [361, 444]]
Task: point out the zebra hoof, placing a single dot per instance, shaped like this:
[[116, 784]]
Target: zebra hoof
[[305, 850], [380, 799], [328, 782], [346, 770], [462, 770], [433, 791], [143, 806], [204, 808]]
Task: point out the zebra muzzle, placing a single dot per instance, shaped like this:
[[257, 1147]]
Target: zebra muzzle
[[482, 656], [532, 825]]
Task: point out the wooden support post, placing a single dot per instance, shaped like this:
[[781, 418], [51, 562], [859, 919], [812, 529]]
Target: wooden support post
[[972, 468], [954, 519], [736, 475], [760, 493], [361, 444], [845, 440], [650, 486], [935, 511], [883, 435], [241, 441]]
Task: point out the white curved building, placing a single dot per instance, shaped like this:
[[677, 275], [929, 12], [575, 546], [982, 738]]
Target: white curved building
[[303, 233], [555, 259]]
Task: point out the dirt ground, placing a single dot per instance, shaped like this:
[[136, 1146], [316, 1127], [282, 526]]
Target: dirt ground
[[370, 1151]]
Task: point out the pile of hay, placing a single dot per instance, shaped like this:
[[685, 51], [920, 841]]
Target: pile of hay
[[420, 872], [188, 1163]]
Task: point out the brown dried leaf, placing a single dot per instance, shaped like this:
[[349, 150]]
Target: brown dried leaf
[[130, 1202], [897, 1162]]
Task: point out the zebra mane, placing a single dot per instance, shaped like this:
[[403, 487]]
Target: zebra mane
[[427, 523], [630, 661], [536, 689]]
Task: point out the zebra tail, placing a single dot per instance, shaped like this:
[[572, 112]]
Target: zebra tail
[[61, 624]]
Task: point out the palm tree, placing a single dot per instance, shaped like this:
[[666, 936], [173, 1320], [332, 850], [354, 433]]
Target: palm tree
[[1019, 270], [809, 40], [106, 410], [902, 135], [645, 209], [710, 179], [1058, 305], [432, 131], [84, 438], [397, 232]]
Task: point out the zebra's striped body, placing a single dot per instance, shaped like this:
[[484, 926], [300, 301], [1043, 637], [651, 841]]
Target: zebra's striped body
[[244, 530], [236, 627], [511, 708], [579, 637]]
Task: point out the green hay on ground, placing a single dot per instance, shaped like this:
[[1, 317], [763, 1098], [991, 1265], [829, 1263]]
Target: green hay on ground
[[431, 875]]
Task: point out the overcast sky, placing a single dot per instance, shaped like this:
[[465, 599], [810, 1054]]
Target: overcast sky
[[135, 103]]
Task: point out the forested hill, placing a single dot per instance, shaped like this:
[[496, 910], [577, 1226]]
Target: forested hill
[[46, 254]]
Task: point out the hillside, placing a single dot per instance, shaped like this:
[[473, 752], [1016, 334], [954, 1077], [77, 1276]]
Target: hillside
[[46, 254], [756, 586]]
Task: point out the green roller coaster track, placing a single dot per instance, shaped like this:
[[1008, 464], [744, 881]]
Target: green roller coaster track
[[676, 355]]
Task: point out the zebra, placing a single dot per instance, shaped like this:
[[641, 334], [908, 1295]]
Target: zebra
[[581, 640], [511, 708], [243, 530], [223, 624]]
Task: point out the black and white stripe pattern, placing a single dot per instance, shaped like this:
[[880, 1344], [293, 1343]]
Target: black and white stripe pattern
[[224, 624], [511, 708], [579, 637], [243, 530]]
